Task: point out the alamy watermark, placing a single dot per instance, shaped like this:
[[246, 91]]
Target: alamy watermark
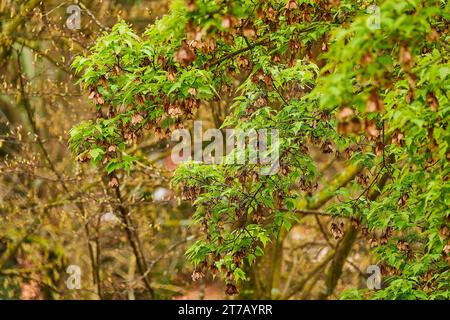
[[374, 280], [374, 20], [73, 22], [231, 146], [73, 282]]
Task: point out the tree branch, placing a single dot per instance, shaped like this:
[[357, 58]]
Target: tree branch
[[12, 25]]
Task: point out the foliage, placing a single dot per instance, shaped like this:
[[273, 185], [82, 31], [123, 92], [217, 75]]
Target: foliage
[[55, 213], [357, 110], [323, 76]]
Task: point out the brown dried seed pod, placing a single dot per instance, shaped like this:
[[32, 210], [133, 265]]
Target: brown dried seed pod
[[231, 290], [403, 246], [337, 230], [197, 274]]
